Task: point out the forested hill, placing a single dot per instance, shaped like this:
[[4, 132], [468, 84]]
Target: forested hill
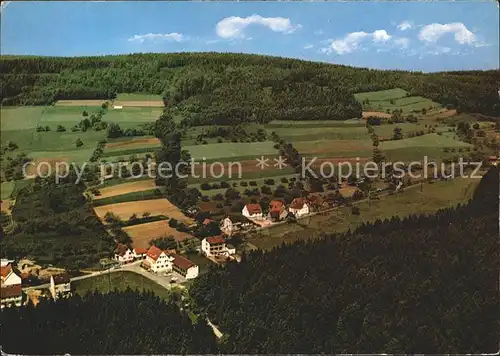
[[424, 284], [221, 88]]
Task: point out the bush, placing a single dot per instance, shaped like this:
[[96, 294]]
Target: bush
[[243, 183], [270, 181], [79, 142], [172, 222], [355, 210], [224, 184], [205, 186], [284, 180], [253, 183]]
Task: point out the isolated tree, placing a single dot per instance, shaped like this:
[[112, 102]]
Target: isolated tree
[[79, 142], [114, 131], [398, 134]]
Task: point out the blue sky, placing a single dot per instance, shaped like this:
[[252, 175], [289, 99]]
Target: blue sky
[[426, 36]]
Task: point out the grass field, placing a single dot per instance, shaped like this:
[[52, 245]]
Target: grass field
[[125, 188], [222, 150], [20, 118], [347, 132], [411, 201], [129, 197], [137, 97], [393, 99], [120, 281], [311, 123]]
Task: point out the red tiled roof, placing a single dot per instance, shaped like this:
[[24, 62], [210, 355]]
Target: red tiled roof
[[61, 278], [4, 271], [154, 252], [140, 250], [207, 221], [11, 291], [297, 203], [253, 208], [276, 205], [182, 262], [215, 240], [121, 249]]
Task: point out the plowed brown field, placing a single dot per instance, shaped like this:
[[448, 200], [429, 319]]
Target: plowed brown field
[[141, 234]]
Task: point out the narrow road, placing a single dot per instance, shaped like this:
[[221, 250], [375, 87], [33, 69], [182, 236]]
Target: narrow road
[[215, 329]]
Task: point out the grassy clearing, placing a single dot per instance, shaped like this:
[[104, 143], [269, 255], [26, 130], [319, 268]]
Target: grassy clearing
[[411, 201], [65, 115], [311, 123], [382, 95], [120, 281], [134, 115], [324, 133], [20, 118], [220, 150], [431, 140], [393, 99], [128, 197], [137, 97]]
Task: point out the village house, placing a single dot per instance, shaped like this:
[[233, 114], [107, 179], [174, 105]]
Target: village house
[[231, 224], [11, 292], [184, 267], [215, 246], [317, 203], [158, 260], [123, 254], [252, 211], [139, 253], [8, 276], [299, 207], [11, 296], [60, 285], [277, 210]]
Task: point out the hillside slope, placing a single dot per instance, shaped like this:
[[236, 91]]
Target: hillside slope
[[221, 88], [425, 284]]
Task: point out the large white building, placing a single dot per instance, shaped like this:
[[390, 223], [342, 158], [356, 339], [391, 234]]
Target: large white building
[[158, 260], [252, 211], [185, 267], [299, 207], [216, 246]]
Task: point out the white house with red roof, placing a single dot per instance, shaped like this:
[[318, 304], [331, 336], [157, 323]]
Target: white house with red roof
[[216, 246], [139, 253], [299, 207], [11, 292], [252, 211], [123, 254], [158, 260], [184, 267], [277, 210]]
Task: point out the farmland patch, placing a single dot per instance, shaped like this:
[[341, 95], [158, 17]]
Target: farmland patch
[[141, 234], [125, 188]]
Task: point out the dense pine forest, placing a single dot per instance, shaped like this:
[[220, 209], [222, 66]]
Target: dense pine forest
[[215, 88], [423, 284], [118, 323]]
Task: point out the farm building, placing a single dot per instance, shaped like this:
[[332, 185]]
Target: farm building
[[185, 267], [123, 254], [117, 107], [11, 296], [252, 211], [299, 207], [139, 253]]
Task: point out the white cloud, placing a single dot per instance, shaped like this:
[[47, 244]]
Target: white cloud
[[319, 32], [233, 27], [309, 46], [433, 32], [381, 36], [405, 25], [351, 42], [174, 36], [402, 42]]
